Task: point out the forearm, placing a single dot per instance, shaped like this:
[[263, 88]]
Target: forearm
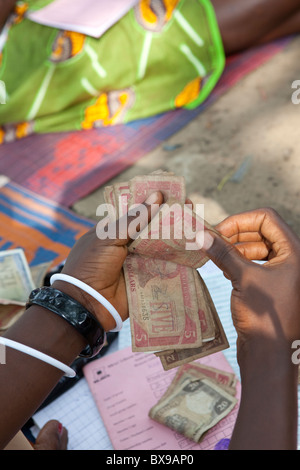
[[6, 7], [26, 381], [267, 418]]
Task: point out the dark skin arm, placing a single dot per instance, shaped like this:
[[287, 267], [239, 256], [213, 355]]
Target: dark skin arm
[[6, 7], [252, 22], [265, 306], [27, 381]]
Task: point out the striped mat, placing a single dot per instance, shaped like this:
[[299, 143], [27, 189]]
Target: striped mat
[[43, 229]]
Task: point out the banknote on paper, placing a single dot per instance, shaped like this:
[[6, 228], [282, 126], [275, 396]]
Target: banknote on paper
[[226, 380], [16, 281], [196, 400], [170, 309], [38, 273], [10, 313]]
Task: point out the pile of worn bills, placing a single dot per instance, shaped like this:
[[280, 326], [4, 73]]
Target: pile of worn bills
[[171, 311]]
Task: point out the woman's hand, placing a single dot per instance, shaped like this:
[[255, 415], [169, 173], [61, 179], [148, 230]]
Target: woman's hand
[[265, 300], [98, 263], [265, 306]]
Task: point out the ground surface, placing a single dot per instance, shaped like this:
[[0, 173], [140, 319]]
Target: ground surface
[[253, 128]]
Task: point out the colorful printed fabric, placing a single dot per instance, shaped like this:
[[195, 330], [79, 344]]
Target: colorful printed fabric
[[43, 229], [162, 55]]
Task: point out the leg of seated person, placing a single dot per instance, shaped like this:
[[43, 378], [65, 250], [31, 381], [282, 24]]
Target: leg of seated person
[[247, 23], [288, 27], [6, 7]]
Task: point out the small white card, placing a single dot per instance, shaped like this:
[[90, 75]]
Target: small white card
[[90, 17]]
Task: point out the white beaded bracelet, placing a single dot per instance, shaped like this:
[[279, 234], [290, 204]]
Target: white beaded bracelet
[[93, 293], [38, 355]]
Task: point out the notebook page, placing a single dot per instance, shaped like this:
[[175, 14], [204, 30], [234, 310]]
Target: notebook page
[[77, 411]]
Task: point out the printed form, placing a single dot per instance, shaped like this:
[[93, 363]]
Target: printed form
[[125, 385]]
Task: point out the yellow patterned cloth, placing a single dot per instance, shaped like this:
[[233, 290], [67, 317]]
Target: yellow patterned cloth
[[162, 55]]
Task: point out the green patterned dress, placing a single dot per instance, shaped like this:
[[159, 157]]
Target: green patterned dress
[[162, 55]]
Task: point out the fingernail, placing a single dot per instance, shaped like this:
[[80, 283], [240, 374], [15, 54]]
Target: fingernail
[[152, 198], [60, 428], [204, 240]]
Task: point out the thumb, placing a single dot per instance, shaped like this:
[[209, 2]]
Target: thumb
[[222, 253], [53, 436], [138, 217]]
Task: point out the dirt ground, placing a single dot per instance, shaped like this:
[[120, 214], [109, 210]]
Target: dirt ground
[[241, 153]]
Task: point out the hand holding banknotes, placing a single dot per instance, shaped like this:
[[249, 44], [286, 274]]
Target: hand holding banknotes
[[265, 307], [99, 263], [96, 262]]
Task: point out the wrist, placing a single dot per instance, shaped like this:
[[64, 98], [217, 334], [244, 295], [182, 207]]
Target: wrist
[[261, 356], [95, 308], [42, 330], [267, 417]]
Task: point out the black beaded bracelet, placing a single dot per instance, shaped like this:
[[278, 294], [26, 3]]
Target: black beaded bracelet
[[74, 313]]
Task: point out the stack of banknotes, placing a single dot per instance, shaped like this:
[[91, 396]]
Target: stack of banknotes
[[171, 311], [17, 280], [197, 399]]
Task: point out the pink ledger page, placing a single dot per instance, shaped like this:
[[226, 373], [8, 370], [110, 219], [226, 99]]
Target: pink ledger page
[[90, 17], [125, 385]]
